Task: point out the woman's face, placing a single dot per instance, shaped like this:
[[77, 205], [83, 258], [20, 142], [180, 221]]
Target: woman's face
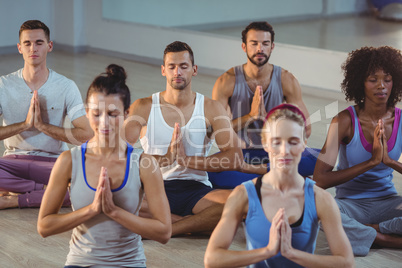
[[377, 87], [284, 143], [105, 114]]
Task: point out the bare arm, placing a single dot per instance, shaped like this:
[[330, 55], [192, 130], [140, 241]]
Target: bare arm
[[230, 156], [394, 164], [158, 227], [324, 175], [292, 93], [11, 130], [328, 213], [223, 90], [80, 133], [50, 222], [137, 118], [218, 253]]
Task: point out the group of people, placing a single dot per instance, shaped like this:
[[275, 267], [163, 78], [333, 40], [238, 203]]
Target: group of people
[[174, 185]]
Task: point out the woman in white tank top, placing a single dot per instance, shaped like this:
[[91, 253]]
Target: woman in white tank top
[[107, 179]]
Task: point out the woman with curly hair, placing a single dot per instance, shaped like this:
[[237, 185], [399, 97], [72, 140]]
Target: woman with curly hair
[[368, 139]]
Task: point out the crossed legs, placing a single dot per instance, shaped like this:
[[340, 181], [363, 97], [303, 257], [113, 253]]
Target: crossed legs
[[372, 221], [207, 213], [195, 208], [23, 179]]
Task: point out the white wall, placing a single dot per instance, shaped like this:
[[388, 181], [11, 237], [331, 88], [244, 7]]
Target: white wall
[[80, 24], [70, 23], [187, 14], [312, 67], [182, 13], [334, 7], [13, 13]]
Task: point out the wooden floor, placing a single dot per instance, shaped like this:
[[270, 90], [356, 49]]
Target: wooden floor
[[20, 244]]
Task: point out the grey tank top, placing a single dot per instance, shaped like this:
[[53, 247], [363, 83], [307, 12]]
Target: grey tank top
[[100, 241], [242, 97]]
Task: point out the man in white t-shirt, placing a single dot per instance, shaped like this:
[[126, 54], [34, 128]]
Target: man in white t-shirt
[[34, 102]]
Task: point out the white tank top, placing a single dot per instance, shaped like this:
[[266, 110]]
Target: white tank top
[[195, 140]]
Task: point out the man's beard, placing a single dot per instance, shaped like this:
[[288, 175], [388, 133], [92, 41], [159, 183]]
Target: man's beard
[[258, 63]]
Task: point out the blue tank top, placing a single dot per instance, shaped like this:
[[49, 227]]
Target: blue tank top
[[257, 226], [242, 97], [376, 182]]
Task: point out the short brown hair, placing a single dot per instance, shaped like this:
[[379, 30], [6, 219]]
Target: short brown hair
[[33, 25], [178, 46]]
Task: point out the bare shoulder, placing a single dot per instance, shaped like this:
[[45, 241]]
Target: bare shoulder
[[321, 195], [325, 202], [238, 200], [344, 122], [287, 75], [65, 158], [343, 117], [64, 164], [213, 108], [150, 173], [147, 162], [289, 81], [224, 85], [141, 107]]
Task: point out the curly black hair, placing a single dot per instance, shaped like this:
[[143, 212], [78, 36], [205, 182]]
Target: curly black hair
[[365, 61]]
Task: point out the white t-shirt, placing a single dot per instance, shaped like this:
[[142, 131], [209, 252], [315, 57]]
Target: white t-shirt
[[59, 97]]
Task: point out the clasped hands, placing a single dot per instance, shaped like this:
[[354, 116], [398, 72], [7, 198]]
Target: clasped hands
[[280, 235], [257, 111], [34, 118], [380, 146], [103, 200], [176, 149]]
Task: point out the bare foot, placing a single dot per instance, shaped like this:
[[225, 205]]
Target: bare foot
[[4, 193], [9, 201]]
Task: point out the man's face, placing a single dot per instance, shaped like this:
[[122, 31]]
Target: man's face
[[34, 46], [178, 69], [258, 47]]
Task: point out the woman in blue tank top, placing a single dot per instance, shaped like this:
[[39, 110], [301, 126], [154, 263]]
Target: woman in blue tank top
[[281, 210], [368, 140], [107, 179]]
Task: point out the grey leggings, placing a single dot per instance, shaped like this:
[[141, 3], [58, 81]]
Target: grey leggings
[[385, 211]]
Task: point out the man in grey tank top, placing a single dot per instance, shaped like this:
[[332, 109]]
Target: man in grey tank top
[[249, 91], [34, 102]]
